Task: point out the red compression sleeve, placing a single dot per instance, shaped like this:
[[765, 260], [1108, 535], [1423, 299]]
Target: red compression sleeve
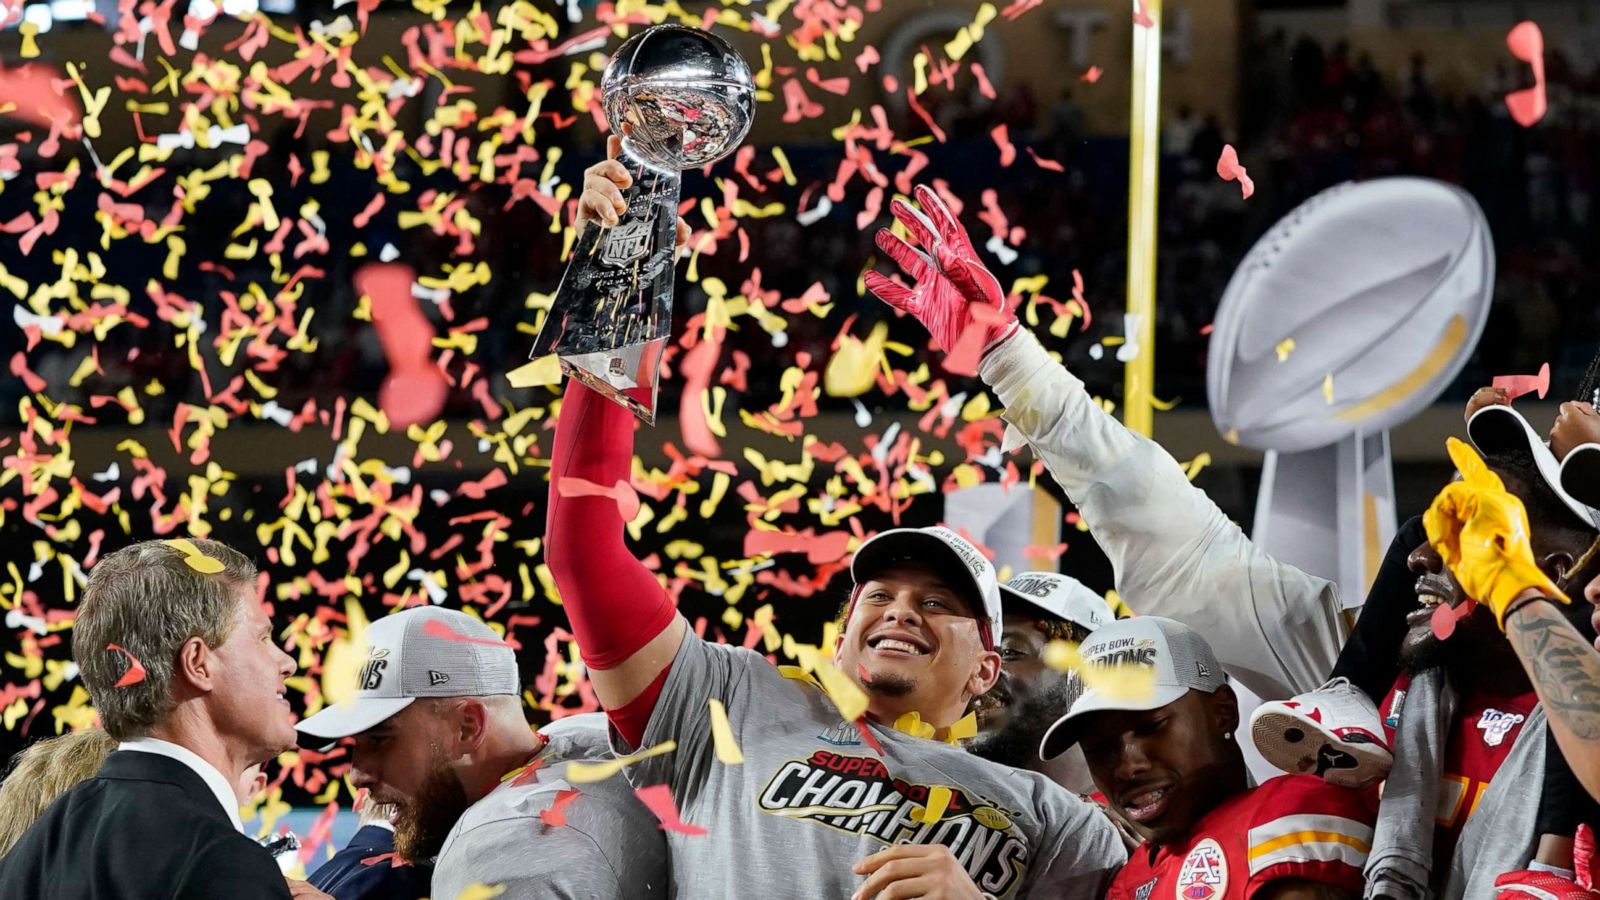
[[632, 717], [615, 604]]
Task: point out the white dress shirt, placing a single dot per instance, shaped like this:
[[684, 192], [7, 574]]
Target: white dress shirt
[[208, 773]]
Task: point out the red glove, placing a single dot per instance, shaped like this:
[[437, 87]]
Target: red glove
[[1531, 885], [1527, 884], [956, 298]]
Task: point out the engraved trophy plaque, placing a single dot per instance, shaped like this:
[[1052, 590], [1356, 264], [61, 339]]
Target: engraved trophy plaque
[[681, 98]]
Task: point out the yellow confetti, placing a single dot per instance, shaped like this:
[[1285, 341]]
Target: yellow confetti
[[478, 891], [728, 752], [589, 772], [847, 696], [196, 560], [1284, 348], [1327, 388], [911, 723], [544, 371], [342, 660], [938, 802], [1123, 682], [853, 370]]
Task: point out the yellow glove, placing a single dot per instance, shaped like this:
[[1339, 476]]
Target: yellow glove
[[1481, 532]]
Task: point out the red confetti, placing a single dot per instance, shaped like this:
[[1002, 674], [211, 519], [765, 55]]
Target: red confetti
[[818, 548], [1141, 14], [135, 673], [30, 88], [438, 629], [1017, 7], [798, 105], [658, 799], [1002, 138], [556, 815], [984, 87], [1091, 75], [697, 368], [1445, 617], [1517, 385], [1043, 163], [868, 736], [1228, 169], [1526, 42], [415, 389], [626, 498]]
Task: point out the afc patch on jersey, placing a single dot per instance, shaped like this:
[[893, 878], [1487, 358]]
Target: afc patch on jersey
[[1204, 875], [1495, 725]]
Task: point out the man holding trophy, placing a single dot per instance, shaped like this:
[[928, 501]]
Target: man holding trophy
[[859, 790]]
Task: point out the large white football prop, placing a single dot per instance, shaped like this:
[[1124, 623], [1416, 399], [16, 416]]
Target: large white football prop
[[1382, 288]]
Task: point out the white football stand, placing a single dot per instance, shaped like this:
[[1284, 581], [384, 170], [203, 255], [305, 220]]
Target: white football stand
[[1353, 478]]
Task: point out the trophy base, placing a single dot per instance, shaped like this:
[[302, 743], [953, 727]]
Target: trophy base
[[626, 375]]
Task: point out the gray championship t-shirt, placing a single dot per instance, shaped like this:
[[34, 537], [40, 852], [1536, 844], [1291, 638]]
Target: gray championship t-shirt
[[812, 797], [610, 848]]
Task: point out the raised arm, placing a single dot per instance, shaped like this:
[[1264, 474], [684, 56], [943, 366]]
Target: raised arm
[[628, 631], [1276, 628], [1565, 670], [1175, 554], [627, 628]]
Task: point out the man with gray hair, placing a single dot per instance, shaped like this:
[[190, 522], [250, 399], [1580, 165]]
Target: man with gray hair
[[178, 657]]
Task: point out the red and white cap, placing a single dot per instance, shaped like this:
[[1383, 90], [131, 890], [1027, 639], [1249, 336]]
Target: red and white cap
[[423, 652], [946, 552]]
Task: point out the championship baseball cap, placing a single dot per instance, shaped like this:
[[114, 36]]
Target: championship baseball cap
[[945, 551], [422, 652], [1181, 658], [1056, 595], [1501, 429]]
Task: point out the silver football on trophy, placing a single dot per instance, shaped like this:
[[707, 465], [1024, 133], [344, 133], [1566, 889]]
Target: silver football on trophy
[[685, 95]]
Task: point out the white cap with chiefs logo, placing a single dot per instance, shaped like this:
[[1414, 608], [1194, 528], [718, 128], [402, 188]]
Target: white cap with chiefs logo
[[423, 652], [942, 549], [1181, 659], [1058, 596]]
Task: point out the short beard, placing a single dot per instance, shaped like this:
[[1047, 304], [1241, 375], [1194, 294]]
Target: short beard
[[1017, 744], [424, 821], [891, 685], [1431, 653]]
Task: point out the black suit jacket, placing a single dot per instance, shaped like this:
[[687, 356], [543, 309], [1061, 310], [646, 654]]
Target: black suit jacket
[[348, 875], [145, 827]]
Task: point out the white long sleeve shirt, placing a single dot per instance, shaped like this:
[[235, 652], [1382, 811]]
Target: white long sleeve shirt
[[1276, 629]]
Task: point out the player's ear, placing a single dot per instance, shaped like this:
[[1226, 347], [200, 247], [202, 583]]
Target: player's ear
[[984, 674], [1224, 706], [1557, 565]]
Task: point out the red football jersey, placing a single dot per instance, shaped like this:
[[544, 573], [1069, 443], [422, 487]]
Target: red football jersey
[[1480, 739], [1294, 826]]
